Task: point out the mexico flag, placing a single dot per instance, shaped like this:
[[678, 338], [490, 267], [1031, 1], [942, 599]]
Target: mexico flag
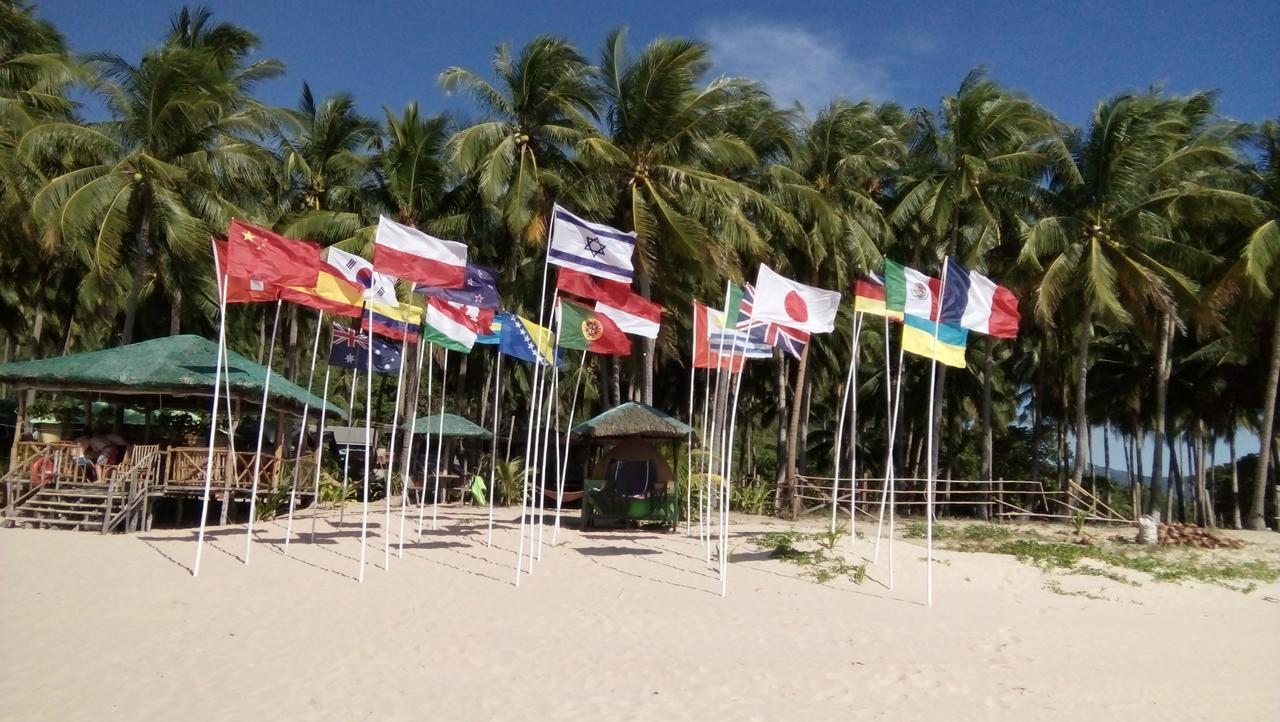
[[909, 291], [588, 330], [788, 303]]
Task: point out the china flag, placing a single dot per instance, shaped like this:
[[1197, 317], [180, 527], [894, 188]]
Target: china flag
[[243, 290], [257, 254]]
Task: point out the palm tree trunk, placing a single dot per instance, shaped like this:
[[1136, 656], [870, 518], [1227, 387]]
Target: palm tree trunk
[[1082, 416], [781, 477], [647, 345], [1205, 504], [1168, 486], [1140, 478], [175, 313], [793, 433], [1163, 341], [141, 256], [1257, 521], [615, 381], [1235, 480]]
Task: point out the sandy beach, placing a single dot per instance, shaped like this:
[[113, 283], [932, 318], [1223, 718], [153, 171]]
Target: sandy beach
[[623, 625]]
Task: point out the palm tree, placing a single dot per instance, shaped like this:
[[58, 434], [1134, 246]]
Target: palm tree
[[1109, 234], [664, 164], [540, 107], [176, 161], [324, 159]]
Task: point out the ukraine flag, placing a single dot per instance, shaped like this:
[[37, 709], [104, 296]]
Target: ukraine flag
[[947, 347]]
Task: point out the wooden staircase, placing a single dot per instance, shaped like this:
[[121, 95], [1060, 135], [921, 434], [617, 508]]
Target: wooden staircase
[[84, 507]]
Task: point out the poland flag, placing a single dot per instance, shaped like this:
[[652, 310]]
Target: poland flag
[[408, 253], [787, 303]]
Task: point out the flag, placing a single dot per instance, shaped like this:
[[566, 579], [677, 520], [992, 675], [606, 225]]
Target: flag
[[583, 328], [781, 300], [909, 291], [592, 248], [918, 338], [448, 326], [399, 322], [491, 336], [732, 342], [869, 297], [258, 254], [636, 315], [409, 253], [376, 286], [242, 290], [975, 302], [330, 293], [479, 289], [523, 339], [583, 285], [349, 349], [704, 319], [776, 335], [733, 310]]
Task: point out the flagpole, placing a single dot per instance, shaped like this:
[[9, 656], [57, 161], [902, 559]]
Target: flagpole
[[535, 398], [302, 430], [568, 436], [853, 432], [553, 403], [391, 450], [262, 427], [315, 491], [728, 481], [370, 444], [849, 380], [931, 471], [688, 465], [703, 528], [224, 283], [346, 458], [444, 397], [550, 387], [426, 438], [493, 452], [715, 413], [408, 445]]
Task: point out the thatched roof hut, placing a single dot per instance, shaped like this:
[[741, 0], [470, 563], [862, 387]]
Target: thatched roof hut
[[179, 367], [634, 420], [455, 427]]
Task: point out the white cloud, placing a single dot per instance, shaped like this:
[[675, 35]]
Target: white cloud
[[794, 62]]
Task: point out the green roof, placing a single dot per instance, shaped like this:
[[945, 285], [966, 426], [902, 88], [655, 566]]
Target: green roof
[[634, 419], [455, 427], [177, 366]]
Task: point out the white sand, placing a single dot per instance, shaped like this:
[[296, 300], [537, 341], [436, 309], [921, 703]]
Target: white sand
[[613, 625]]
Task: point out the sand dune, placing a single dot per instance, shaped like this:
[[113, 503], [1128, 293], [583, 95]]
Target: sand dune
[[624, 625]]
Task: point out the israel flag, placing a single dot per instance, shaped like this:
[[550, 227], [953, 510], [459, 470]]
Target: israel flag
[[590, 247]]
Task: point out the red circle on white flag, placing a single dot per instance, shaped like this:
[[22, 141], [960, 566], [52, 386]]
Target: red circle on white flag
[[796, 308]]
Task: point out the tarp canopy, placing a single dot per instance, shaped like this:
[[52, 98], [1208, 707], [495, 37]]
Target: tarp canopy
[[455, 427], [175, 366], [634, 419]]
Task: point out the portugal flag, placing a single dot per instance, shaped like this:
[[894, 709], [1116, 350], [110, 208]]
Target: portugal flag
[[585, 329]]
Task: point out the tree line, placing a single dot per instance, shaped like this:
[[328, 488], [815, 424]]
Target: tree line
[[1142, 245]]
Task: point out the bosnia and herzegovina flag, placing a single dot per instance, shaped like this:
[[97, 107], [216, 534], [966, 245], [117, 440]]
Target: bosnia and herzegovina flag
[[947, 347]]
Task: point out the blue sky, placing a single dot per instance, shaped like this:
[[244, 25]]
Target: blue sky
[[1067, 56]]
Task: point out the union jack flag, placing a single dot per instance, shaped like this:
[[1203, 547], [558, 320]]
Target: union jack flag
[[349, 337], [788, 339]]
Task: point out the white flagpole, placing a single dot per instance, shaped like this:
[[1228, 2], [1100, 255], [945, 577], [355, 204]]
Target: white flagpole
[[444, 397], [302, 431], [426, 438], [688, 465], [728, 482], [346, 457], [891, 423], [370, 445], [553, 399], [408, 446], [262, 427], [315, 489], [929, 462], [493, 451], [391, 455], [223, 283], [849, 380], [703, 529], [853, 432], [568, 433], [535, 399]]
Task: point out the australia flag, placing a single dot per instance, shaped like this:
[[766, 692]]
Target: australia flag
[[349, 349]]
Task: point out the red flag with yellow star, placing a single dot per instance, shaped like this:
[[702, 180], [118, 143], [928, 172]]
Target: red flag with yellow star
[[259, 255]]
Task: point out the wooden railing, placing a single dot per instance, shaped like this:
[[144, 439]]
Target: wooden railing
[[186, 465]]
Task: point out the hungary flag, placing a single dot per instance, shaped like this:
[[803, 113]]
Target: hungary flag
[[583, 328]]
